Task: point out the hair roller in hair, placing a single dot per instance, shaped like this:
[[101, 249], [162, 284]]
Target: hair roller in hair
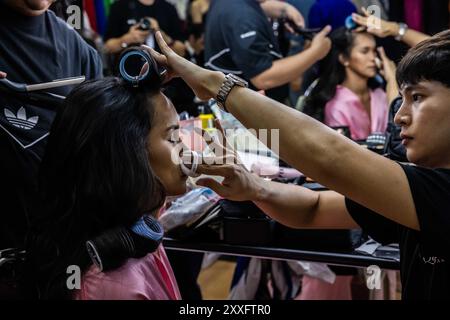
[[139, 69]]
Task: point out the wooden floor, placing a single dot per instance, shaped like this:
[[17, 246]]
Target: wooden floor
[[215, 280]]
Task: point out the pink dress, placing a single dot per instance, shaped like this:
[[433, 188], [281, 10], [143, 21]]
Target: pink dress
[[148, 278], [345, 109]]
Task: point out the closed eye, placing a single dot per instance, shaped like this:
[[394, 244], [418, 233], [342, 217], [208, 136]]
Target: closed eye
[[174, 141]]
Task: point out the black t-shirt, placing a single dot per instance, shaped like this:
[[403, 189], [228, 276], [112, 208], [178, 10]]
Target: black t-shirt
[[240, 40], [32, 50], [424, 254], [126, 13]]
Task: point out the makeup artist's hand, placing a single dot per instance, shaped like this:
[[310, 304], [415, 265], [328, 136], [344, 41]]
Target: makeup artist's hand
[[205, 83], [374, 25], [238, 184], [293, 15]]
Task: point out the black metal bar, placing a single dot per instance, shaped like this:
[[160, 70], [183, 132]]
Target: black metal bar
[[349, 259]]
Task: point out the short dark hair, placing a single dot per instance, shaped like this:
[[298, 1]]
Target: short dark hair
[[429, 60]]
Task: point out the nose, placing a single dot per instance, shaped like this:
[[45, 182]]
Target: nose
[[402, 117]]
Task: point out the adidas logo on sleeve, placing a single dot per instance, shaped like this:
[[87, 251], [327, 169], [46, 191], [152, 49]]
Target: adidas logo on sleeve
[[20, 120], [25, 124]]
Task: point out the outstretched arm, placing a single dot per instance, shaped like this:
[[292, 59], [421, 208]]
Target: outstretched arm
[[309, 146], [382, 28]]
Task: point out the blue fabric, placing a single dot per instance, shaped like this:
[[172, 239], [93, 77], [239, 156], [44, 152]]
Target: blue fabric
[[100, 15], [241, 266], [330, 12]]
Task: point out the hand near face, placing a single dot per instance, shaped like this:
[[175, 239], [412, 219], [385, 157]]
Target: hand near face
[[238, 184], [205, 83]]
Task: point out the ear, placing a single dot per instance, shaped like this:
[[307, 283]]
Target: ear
[[343, 60]]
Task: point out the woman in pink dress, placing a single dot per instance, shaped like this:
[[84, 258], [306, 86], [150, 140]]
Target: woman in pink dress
[[347, 93], [108, 164]]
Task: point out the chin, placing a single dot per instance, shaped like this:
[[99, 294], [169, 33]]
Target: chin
[[38, 4], [415, 158]]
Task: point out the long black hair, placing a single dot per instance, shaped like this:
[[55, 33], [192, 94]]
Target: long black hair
[[331, 73], [95, 176]]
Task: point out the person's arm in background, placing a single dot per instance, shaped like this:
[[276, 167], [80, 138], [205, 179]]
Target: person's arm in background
[[288, 69], [309, 146], [382, 28], [115, 36], [174, 30], [279, 9], [197, 10], [388, 72], [134, 35]]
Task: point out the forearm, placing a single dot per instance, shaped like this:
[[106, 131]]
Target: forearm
[[114, 45], [285, 70], [413, 37], [391, 90], [291, 205], [196, 13], [298, 207], [298, 133], [274, 9]]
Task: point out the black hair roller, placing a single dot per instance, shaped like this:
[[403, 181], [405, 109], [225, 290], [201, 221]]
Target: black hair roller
[[113, 247], [145, 72]]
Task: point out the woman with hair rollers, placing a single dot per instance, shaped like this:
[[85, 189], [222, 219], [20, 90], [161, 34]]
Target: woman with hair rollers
[[105, 175]]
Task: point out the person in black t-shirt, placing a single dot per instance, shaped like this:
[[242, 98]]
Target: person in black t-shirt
[[123, 25], [35, 47], [239, 39], [408, 203]]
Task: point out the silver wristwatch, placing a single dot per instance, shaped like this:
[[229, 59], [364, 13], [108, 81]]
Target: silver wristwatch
[[402, 27], [231, 80]]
